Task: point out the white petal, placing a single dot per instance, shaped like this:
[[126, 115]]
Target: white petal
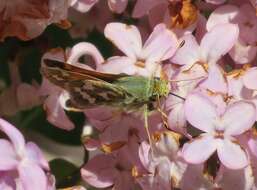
[[126, 37], [200, 149], [160, 45], [250, 78], [200, 112], [189, 53], [238, 118], [218, 41], [232, 155], [222, 15]]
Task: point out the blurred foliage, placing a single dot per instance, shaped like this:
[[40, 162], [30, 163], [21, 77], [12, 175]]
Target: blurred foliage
[[66, 174]]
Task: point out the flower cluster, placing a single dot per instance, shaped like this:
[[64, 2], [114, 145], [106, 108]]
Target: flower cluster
[[201, 136]]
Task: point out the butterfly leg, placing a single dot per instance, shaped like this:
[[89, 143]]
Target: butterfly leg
[[147, 126], [163, 114]]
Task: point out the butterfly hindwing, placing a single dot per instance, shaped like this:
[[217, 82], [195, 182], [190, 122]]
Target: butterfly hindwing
[[89, 93]]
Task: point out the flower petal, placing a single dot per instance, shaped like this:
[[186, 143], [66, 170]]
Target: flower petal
[[85, 48], [216, 2], [56, 114], [233, 121], [249, 79], [100, 171], [216, 81], [200, 112], [14, 134], [193, 151], [118, 6], [252, 143], [118, 64], [160, 45], [232, 155], [218, 41], [222, 15], [32, 176], [189, 53], [243, 53], [141, 8], [8, 156], [126, 37], [35, 154]]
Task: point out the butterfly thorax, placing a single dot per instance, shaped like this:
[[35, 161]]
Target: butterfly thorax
[[141, 90]]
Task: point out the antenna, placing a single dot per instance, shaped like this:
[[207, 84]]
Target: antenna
[[171, 93]]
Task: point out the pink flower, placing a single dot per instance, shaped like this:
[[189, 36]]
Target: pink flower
[[22, 164], [245, 49], [220, 131], [114, 169], [163, 163], [214, 44], [142, 60]]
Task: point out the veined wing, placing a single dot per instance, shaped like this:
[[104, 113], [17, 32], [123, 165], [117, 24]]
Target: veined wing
[[87, 88], [55, 66]]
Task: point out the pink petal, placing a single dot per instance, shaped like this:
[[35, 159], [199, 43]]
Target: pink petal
[[100, 171], [85, 48], [56, 114], [252, 143], [126, 37], [8, 158], [189, 53], [218, 41], [193, 151], [193, 178], [117, 6], [143, 151], [177, 119], [201, 27], [216, 81], [141, 8], [216, 2], [243, 53], [35, 154], [156, 14], [124, 182], [200, 112], [249, 79], [32, 176], [160, 45], [222, 15], [232, 155], [83, 5], [233, 121], [14, 134], [235, 179], [117, 65]]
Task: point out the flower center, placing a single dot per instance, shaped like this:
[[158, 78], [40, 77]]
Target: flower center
[[140, 63]]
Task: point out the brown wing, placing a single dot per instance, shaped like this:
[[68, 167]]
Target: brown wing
[[79, 73], [86, 88]]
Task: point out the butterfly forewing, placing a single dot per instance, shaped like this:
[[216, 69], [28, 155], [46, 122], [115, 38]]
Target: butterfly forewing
[[86, 88]]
